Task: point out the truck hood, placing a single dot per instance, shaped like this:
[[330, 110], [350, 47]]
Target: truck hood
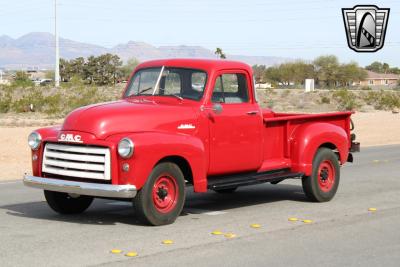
[[127, 116]]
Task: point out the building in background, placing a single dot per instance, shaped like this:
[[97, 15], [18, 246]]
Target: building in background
[[375, 79]]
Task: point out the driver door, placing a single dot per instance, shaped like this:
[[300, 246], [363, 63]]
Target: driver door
[[235, 132]]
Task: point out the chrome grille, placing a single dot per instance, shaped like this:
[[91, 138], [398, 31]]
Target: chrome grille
[[77, 161]]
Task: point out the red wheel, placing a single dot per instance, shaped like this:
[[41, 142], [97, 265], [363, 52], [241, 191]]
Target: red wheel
[[161, 199], [323, 183], [326, 176], [165, 193]]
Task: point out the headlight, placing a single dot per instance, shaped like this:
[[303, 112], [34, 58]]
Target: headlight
[[34, 140], [125, 148]]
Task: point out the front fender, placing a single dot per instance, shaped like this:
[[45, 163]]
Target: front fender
[[151, 147], [308, 138]]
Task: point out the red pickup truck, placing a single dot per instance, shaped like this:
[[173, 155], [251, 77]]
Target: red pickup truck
[[185, 122]]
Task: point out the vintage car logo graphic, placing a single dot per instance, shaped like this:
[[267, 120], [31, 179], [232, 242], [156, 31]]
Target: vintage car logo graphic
[[70, 138], [365, 27]]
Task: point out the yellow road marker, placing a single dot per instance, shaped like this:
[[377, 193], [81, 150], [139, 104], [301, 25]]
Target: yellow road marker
[[217, 232], [372, 209], [255, 225], [230, 235], [307, 221], [167, 242], [131, 254], [116, 251], [293, 219], [375, 161]]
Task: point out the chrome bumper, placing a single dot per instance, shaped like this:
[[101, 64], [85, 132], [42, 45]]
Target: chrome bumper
[[79, 188]]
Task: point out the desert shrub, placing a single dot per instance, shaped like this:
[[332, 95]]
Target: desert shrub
[[83, 96], [382, 100], [370, 97], [346, 100], [5, 102], [31, 96], [55, 102], [286, 93], [270, 91], [325, 100], [270, 103], [389, 100], [54, 105]]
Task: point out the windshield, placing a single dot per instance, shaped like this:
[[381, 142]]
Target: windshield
[[164, 81]]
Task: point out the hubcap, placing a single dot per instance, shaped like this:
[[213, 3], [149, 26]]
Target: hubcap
[[326, 176], [165, 193]]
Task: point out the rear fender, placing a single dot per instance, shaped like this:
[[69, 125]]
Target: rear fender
[[151, 147], [308, 138]]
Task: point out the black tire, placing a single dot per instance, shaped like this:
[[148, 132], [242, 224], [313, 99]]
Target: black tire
[[320, 187], [63, 203], [226, 190], [147, 209]]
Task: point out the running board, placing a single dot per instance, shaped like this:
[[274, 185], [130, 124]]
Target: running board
[[236, 180]]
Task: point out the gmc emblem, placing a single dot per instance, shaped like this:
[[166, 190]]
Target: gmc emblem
[[70, 138]]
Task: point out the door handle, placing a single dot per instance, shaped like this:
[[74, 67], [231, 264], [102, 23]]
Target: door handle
[[253, 112]]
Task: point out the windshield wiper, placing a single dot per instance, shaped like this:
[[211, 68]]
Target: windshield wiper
[[144, 90]]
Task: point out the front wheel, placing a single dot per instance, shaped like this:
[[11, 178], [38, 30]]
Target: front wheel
[[323, 183], [64, 203], [161, 199]]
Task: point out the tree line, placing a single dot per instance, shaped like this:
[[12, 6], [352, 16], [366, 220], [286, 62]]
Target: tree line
[[327, 71], [380, 67], [105, 69]]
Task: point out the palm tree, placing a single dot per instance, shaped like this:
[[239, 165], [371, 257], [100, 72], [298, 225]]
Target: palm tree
[[220, 53]]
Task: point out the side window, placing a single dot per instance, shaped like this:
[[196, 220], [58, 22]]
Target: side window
[[230, 88]]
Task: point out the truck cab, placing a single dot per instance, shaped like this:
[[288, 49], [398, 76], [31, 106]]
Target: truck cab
[[180, 122]]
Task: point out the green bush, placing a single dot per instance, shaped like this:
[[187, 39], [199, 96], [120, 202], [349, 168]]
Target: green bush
[[346, 100], [286, 93], [5, 102], [54, 105], [325, 100], [382, 100], [33, 97]]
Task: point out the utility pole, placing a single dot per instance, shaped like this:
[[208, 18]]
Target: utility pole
[[57, 68]]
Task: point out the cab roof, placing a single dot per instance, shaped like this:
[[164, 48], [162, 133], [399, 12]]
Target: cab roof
[[203, 64]]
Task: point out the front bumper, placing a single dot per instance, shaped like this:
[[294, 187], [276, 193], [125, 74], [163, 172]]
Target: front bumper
[[79, 188]]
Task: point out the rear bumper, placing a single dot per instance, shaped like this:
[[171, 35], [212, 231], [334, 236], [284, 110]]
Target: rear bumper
[[355, 147], [79, 188]]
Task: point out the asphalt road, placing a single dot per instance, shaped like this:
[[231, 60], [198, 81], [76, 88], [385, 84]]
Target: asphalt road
[[343, 231]]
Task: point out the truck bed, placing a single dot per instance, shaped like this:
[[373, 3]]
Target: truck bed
[[280, 131]]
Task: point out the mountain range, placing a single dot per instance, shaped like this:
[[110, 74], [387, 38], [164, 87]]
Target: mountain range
[[36, 50]]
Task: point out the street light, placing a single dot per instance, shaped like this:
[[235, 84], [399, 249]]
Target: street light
[[57, 67]]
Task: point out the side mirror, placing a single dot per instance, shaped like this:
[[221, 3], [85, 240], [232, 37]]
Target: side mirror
[[217, 108]]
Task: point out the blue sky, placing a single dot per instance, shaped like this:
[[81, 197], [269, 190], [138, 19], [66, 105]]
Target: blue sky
[[288, 28]]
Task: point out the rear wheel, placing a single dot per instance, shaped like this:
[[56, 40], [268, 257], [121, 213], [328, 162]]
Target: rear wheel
[[323, 183], [161, 199], [64, 203]]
